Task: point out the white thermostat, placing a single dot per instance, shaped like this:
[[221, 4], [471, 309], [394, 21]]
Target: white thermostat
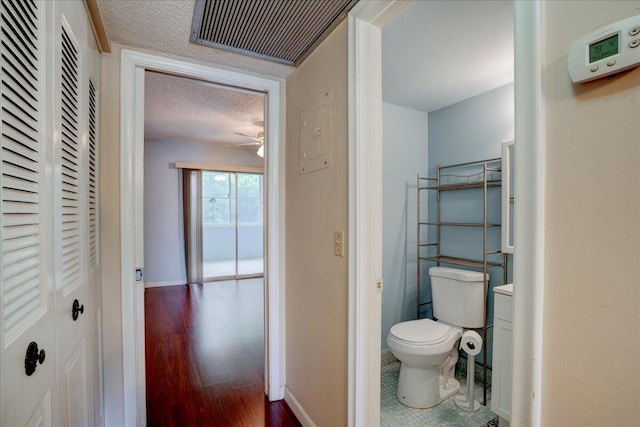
[[608, 50]]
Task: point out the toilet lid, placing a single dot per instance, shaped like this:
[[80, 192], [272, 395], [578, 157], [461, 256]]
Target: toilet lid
[[422, 331]]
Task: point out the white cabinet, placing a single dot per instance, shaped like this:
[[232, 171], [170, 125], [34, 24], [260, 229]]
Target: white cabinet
[[502, 352]]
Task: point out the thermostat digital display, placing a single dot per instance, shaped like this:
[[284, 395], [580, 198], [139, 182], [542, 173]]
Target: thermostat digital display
[[603, 49], [608, 50]]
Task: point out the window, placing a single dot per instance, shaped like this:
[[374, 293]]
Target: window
[[223, 191], [217, 191], [249, 198]]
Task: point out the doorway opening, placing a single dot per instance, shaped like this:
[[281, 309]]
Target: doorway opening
[[202, 225], [365, 210], [134, 66], [434, 118], [210, 223]]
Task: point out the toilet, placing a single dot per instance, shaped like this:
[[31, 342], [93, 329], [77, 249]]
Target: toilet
[[427, 349]]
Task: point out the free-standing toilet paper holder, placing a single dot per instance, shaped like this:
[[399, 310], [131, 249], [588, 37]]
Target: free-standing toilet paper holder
[[471, 343]]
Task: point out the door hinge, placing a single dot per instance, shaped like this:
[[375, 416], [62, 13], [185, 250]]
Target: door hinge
[[380, 285], [139, 274]]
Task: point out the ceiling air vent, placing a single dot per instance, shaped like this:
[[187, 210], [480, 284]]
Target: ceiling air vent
[[285, 31]]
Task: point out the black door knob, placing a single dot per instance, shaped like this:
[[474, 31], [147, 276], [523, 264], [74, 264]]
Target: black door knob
[[32, 358], [77, 309]]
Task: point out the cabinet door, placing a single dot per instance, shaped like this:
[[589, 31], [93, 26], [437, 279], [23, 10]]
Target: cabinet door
[[27, 290], [75, 304], [502, 368]]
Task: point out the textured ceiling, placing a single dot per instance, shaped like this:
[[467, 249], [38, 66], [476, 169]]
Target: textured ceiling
[[435, 53], [448, 50], [181, 109], [165, 26]]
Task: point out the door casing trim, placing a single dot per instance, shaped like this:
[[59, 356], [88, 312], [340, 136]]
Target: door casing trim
[[366, 20], [132, 68]]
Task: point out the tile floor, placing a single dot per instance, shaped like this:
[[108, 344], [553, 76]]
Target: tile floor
[[447, 414]]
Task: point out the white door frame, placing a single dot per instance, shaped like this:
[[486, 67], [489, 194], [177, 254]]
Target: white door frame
[[365, 214], [133, 66]]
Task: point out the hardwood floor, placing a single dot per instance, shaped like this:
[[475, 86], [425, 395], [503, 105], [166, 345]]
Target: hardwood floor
[[205, 357]]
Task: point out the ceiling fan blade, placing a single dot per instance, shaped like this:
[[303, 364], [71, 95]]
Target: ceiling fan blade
[[246, 144], [258, 140]]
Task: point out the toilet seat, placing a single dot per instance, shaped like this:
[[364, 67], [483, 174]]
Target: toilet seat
[[420, 332]]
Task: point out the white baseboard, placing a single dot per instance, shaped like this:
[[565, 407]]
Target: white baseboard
[[298, 410], [281, 392], [166, 283]]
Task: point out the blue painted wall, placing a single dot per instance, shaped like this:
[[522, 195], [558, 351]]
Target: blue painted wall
[[467, 131], [404, 155]]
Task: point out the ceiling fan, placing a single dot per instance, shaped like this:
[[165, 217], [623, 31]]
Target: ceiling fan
[[257, 140]]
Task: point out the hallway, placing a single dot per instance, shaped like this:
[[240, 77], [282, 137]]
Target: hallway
[[205, 357]]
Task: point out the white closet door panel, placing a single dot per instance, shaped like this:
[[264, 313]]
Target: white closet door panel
[[26, 293], [16, 128], [15, 206], [21, 155], [21, 75], [95, 357], [74, 337], [15, 139], [22, 256], [96, 411], [49, 215], [41, 417], [21, 190], [69, 160], [70, 163], [21, 143], [15, 98], [73, 388], [93, 176], [16, 164], [20, 236], [17, 222]]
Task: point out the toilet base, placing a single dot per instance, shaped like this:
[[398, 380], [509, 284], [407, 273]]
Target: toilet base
[[419, 387], [451, 388]]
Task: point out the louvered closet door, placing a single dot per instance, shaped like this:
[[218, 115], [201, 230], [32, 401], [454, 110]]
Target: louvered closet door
[[94, 298], [75, 305], [26, 236]]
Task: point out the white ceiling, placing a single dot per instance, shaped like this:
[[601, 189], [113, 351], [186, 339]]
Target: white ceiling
[[437, 53]]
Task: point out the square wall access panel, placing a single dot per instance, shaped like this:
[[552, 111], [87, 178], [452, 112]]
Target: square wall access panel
[[284, 31], [316, 133]]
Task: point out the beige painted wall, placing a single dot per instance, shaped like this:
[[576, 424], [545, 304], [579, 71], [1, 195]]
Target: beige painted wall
[[316, 280], [591, 338]]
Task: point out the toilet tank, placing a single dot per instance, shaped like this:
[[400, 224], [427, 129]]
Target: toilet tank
[[458, 296]]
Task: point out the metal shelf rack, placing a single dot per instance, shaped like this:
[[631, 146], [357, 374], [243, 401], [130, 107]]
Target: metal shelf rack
[[487, 178]]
